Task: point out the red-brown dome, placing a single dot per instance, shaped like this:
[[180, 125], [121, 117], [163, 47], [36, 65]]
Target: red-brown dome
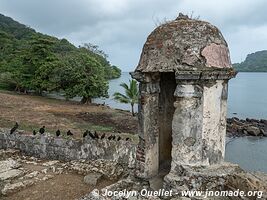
[[184, 44]]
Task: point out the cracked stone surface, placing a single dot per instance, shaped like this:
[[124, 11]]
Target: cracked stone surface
[[184, 44], [216, 56], [92, 178], [9, 164], [12, 173]]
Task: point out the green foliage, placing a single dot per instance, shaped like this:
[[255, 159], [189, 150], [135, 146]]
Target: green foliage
[[130, 96], [255, 62], [111, 72], [31, 61], [82, 75]]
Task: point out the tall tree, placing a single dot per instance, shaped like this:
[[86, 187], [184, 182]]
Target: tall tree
[[130, 96], [38, 65], [83, 76]]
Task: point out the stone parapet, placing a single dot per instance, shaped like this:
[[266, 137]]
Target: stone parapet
[[48, 147]]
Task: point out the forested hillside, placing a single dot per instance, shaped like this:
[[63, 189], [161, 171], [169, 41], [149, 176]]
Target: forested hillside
[[31, 61], [255, 62]]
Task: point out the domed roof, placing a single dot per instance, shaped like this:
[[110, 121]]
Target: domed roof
[[184, 45]]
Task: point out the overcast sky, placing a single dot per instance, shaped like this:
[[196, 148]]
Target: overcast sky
[[120, 27]]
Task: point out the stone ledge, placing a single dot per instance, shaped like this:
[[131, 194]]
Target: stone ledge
[[205, 75], [49, 147]]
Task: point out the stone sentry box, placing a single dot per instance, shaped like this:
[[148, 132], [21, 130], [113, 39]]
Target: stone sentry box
[[183, 74]]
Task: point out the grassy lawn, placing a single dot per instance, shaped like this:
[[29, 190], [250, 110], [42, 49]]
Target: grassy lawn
[[32, 112]]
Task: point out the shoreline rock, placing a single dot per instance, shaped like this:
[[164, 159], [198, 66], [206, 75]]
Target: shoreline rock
[[246, 127]]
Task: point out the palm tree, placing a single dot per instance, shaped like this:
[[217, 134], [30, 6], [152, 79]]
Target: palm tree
[[131, 94]]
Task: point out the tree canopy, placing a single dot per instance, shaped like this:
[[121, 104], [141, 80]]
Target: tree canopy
[[31, 61]]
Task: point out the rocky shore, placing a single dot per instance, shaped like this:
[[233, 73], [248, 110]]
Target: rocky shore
[[246, 127]]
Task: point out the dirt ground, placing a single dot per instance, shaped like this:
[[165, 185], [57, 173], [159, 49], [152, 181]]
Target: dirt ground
[[48, 180], [33, 112], [61, 187]]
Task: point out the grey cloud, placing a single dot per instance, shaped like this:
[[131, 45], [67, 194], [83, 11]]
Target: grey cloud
[[120, 27]]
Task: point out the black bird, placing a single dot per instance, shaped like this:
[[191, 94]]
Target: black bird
[[110, 137], [127, 139], [91, 135], [114, 137], [140, 138], [14, 128], [58, 133], [42, 130], [85, 133], [103, 136], [119, 138], [34, 132], [69, 133], [96, 135]]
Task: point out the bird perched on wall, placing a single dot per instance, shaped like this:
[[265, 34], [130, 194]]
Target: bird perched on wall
[[14, 128], [34, 132], [58, 133], [85, 133], [91, 135], [69, 133], [119, 138], [103, 136], [142, 139], [110, 137], [42, 130], [96, 135]]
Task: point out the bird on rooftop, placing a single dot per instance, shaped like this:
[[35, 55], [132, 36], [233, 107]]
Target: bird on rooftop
[[69, 133], [91, 135], [34, 132], [58, 133], [14, 128], [114, 137], [103, 136], [42, 130], [85, 133], [110, 137], [119, 138]]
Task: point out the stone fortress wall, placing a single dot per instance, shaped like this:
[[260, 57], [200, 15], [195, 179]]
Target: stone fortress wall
[[50, 147]]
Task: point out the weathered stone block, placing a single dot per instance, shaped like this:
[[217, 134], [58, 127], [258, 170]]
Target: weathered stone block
[[92, 178]]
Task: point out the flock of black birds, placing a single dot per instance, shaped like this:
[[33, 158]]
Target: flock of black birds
[[95, 135], [87, 133]]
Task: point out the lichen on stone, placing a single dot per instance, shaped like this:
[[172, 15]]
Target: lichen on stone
[[184, 44]]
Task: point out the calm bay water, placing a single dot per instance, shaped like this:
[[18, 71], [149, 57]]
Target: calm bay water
[[247, 95], [248, 98], [249, 152], [114, 86]]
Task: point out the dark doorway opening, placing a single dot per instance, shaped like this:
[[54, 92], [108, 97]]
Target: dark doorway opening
[[166, 111]]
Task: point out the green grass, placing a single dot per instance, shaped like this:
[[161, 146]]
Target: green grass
[[88, 126], [22, 126]]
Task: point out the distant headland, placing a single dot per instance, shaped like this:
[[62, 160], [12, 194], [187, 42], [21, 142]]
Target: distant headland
[[254, 62]]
